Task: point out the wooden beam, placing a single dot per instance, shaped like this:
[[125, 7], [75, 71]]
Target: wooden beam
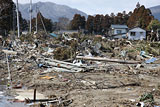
[[108, 60], [10, 52]]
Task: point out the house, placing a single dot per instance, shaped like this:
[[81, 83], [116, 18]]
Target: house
[[118, 31], [137, 34]]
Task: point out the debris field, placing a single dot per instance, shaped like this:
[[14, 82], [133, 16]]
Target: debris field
[[82, 70]]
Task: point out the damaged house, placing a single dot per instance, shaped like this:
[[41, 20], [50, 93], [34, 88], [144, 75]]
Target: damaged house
[[118, 31], [137, 34]]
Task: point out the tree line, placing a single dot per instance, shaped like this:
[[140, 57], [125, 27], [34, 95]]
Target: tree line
[[98, 24]]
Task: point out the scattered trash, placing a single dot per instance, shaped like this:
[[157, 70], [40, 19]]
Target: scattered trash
[[151, 60], [53, 35], [143, 53], [139, 66], [47, 77], [140, 104], [77, 62], [132, 100], [83, 67]]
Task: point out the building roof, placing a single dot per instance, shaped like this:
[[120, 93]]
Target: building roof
[[137, 29], [119, 26]]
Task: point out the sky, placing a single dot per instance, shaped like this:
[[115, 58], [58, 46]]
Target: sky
[[92, 7]]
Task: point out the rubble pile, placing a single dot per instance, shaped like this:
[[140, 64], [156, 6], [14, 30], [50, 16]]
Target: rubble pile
[[90, 70]]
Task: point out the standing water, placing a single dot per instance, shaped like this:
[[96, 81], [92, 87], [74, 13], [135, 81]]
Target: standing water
[[4, 100]]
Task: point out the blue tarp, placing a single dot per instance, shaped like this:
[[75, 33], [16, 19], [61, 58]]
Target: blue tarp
[[53, 35], [142, 53], [150, 60]]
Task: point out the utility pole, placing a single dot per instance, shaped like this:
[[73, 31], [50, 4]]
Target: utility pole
[[36, 18], [43, 24], [38, 11], [14, 20], [18, 27], [13, 23], [30, 30], [157, 34]]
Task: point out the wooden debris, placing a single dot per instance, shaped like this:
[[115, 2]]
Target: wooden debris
[[9, 52], [61, 66], [108, 60]]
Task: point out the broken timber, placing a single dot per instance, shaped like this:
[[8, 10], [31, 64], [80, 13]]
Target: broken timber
[[10, 52], [108, 60], [61, 66]]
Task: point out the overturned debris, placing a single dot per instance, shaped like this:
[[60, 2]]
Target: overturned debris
[[63, 66]]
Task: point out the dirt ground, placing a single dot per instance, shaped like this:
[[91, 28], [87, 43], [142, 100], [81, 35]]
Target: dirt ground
[[95, 88], [104, 89]]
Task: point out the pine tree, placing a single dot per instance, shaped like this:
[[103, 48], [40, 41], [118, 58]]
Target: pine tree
[[6, 15], [78, 22], [89, 24], [138, 5], [141, 17], [97, 26]]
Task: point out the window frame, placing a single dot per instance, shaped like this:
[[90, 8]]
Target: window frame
[[133, 33]]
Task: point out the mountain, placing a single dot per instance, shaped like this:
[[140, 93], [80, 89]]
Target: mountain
[[50, 10], [156, 12]]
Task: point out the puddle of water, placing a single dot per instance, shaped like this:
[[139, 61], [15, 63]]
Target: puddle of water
[[4, 99]]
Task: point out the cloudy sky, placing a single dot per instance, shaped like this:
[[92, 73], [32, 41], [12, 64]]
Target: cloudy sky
[[101, 6]]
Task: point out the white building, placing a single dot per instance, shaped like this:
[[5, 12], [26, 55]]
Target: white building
[[137, 34], [118, 31]]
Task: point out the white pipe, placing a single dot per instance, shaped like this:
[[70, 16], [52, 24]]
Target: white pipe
[[9, 72]]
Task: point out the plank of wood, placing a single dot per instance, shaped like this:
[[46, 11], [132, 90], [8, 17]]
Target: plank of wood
[[63, 66], [108, 60], [62, 62], [10, 52]]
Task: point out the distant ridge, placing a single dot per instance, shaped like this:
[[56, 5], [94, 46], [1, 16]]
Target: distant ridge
[[156, 11], [50, 10]]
